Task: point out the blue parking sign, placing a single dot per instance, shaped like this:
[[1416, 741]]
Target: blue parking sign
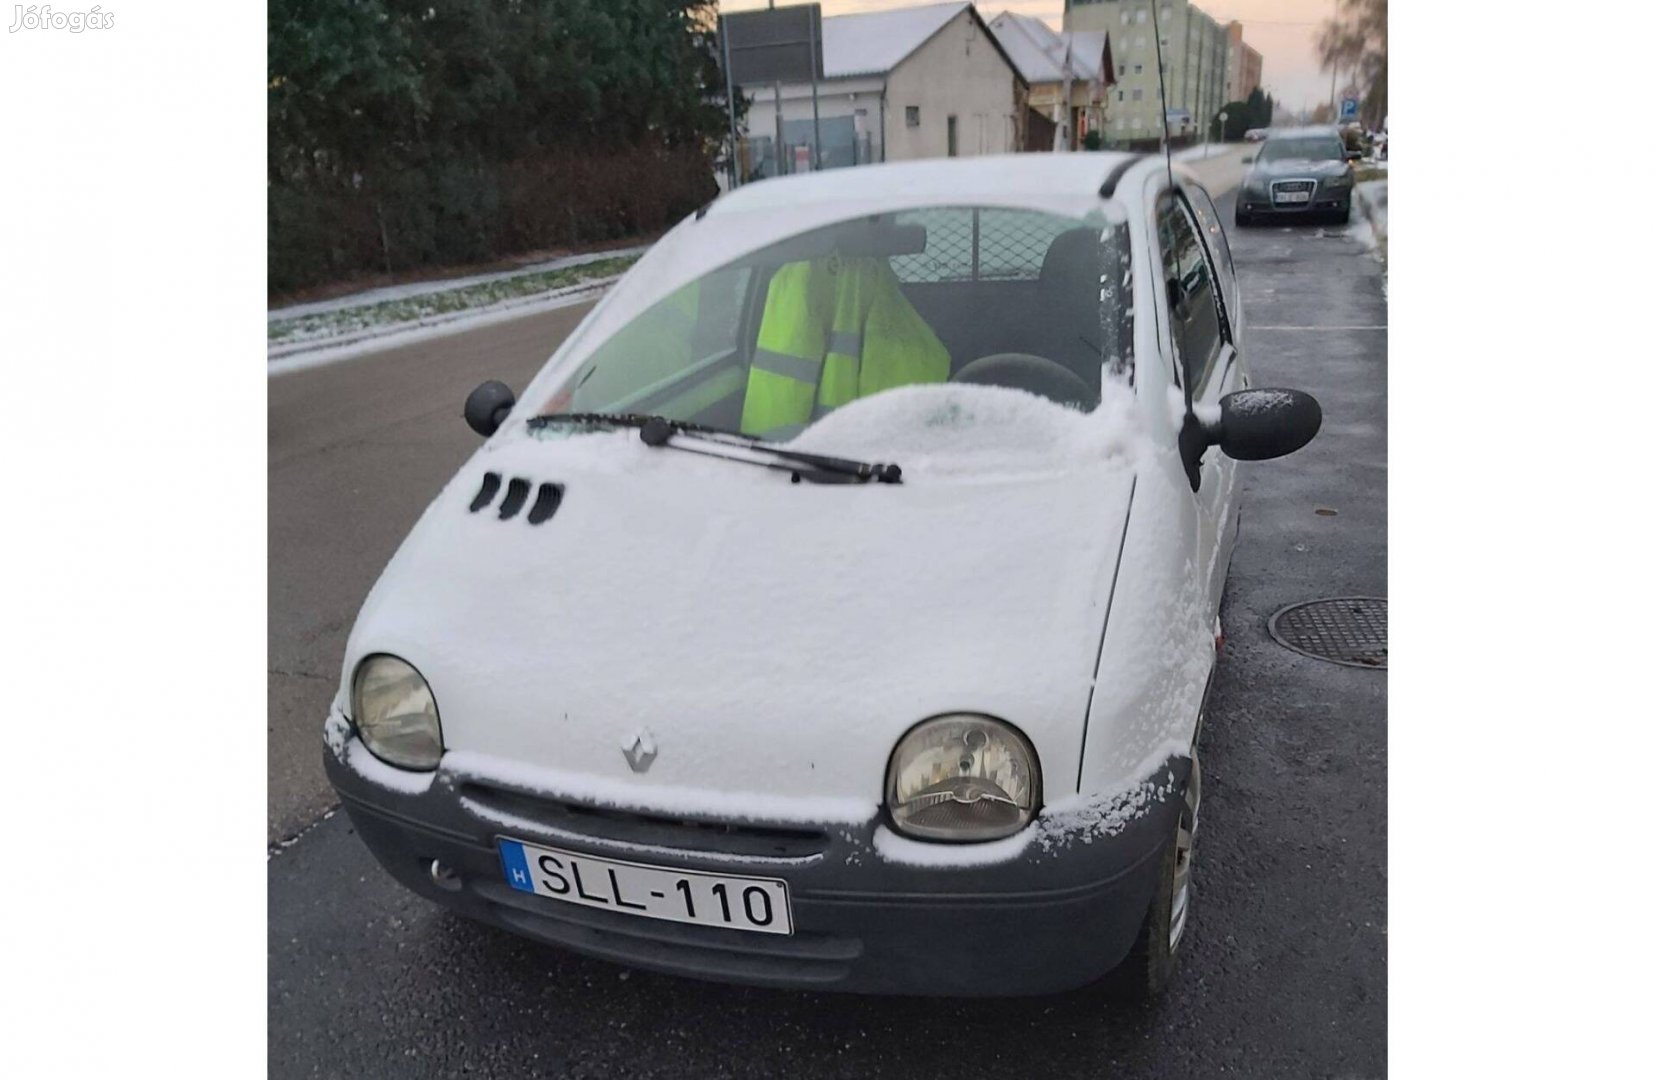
[[1348, 108]]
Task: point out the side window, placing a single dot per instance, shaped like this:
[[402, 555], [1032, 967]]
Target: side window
[[1208, 217], [1192, 300]]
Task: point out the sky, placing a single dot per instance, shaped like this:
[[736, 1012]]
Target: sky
[[1284, 32]]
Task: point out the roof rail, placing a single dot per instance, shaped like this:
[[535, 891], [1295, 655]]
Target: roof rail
[[1116, 173]]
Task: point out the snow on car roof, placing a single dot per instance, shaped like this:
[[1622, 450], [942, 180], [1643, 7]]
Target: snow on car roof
[[1058, 182]]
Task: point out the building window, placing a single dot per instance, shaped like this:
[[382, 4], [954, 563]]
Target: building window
[[1141, 14], [1138, 95], [954, 145], [1138, 69], [1121, 95], [911, 114]]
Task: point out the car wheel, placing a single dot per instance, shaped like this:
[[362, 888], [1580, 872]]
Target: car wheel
[[1344, 216], [1149, 966]]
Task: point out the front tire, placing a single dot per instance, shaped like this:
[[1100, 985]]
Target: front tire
[[1149, 966]]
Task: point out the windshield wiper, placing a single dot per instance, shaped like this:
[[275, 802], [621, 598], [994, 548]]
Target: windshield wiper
[[660, 431]]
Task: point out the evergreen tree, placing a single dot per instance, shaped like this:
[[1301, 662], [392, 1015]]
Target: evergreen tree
[[404, 132]]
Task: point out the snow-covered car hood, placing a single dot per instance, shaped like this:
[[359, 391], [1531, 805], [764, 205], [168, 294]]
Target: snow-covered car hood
[[1272, 170], [772, 639]]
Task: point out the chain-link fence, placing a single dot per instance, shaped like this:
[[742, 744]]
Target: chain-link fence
[[978, 244]]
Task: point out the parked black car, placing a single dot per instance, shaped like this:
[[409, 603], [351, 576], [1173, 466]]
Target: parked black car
[[1298, 172]]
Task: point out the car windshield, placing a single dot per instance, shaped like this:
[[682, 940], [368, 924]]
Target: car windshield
[[770, 343], [1305, 148]]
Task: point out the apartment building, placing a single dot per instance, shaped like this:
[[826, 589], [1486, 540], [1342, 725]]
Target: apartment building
[[1245, 68], [1195, 52]]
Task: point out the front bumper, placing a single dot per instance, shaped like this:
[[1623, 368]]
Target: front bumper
[[1057, 916], [1259, 202]]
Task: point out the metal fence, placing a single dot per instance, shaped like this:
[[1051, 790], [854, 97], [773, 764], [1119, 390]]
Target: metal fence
[[978, 244]]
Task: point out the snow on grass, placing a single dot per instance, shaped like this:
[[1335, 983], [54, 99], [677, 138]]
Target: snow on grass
[[331, 322], [303, 357], [367, 297]]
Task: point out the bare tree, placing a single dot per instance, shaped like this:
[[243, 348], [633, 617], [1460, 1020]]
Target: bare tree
[[1354, 40]]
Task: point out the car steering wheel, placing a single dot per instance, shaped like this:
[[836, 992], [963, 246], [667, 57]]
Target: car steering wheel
[[1035, 374]]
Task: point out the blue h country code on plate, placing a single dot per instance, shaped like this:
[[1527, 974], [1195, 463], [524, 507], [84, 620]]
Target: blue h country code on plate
[[758, 905]]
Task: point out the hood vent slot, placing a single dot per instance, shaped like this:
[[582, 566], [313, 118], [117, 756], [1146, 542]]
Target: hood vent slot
[[485, 494], [547, 499], [546, 503], [517, 493]]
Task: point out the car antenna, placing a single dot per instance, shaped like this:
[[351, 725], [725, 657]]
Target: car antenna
[[1161, 91]]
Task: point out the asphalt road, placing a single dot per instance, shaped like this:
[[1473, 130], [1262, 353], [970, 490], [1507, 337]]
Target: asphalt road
[[356, 452], [1285, 967]]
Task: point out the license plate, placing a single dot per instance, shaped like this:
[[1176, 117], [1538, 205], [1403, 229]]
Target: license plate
[[1293, 196], [652, 892]]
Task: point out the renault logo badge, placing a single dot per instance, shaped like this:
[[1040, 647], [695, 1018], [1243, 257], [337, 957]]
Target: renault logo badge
[[640, 750]]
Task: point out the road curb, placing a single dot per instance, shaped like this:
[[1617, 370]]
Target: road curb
[[302, 356], [294, 348]]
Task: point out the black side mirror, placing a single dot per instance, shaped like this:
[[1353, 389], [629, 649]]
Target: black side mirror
[[488, 406], [1354, 155], [1253, 425], [1265, 423]]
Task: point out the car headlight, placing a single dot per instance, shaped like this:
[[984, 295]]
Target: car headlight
[[395, 714], [962, 777]]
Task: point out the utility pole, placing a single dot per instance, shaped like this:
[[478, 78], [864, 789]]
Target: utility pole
[[730, 105], [1333, 109], [1063, 136], [776, 97], [816, 119]]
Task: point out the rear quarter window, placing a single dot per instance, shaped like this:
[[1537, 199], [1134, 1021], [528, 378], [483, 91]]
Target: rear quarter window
[[967, 244]]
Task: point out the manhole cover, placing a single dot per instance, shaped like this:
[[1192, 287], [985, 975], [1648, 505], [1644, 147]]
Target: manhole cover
[[1348, 630]]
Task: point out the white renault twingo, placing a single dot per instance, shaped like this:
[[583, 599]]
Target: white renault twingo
[[836, 608]]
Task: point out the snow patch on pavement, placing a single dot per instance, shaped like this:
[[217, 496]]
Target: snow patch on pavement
[[1371, 198]]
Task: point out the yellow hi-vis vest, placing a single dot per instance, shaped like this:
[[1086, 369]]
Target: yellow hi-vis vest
[[835, 330]]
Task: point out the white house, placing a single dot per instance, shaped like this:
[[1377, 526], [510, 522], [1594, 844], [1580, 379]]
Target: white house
[[918, 82], [1076, 63]]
